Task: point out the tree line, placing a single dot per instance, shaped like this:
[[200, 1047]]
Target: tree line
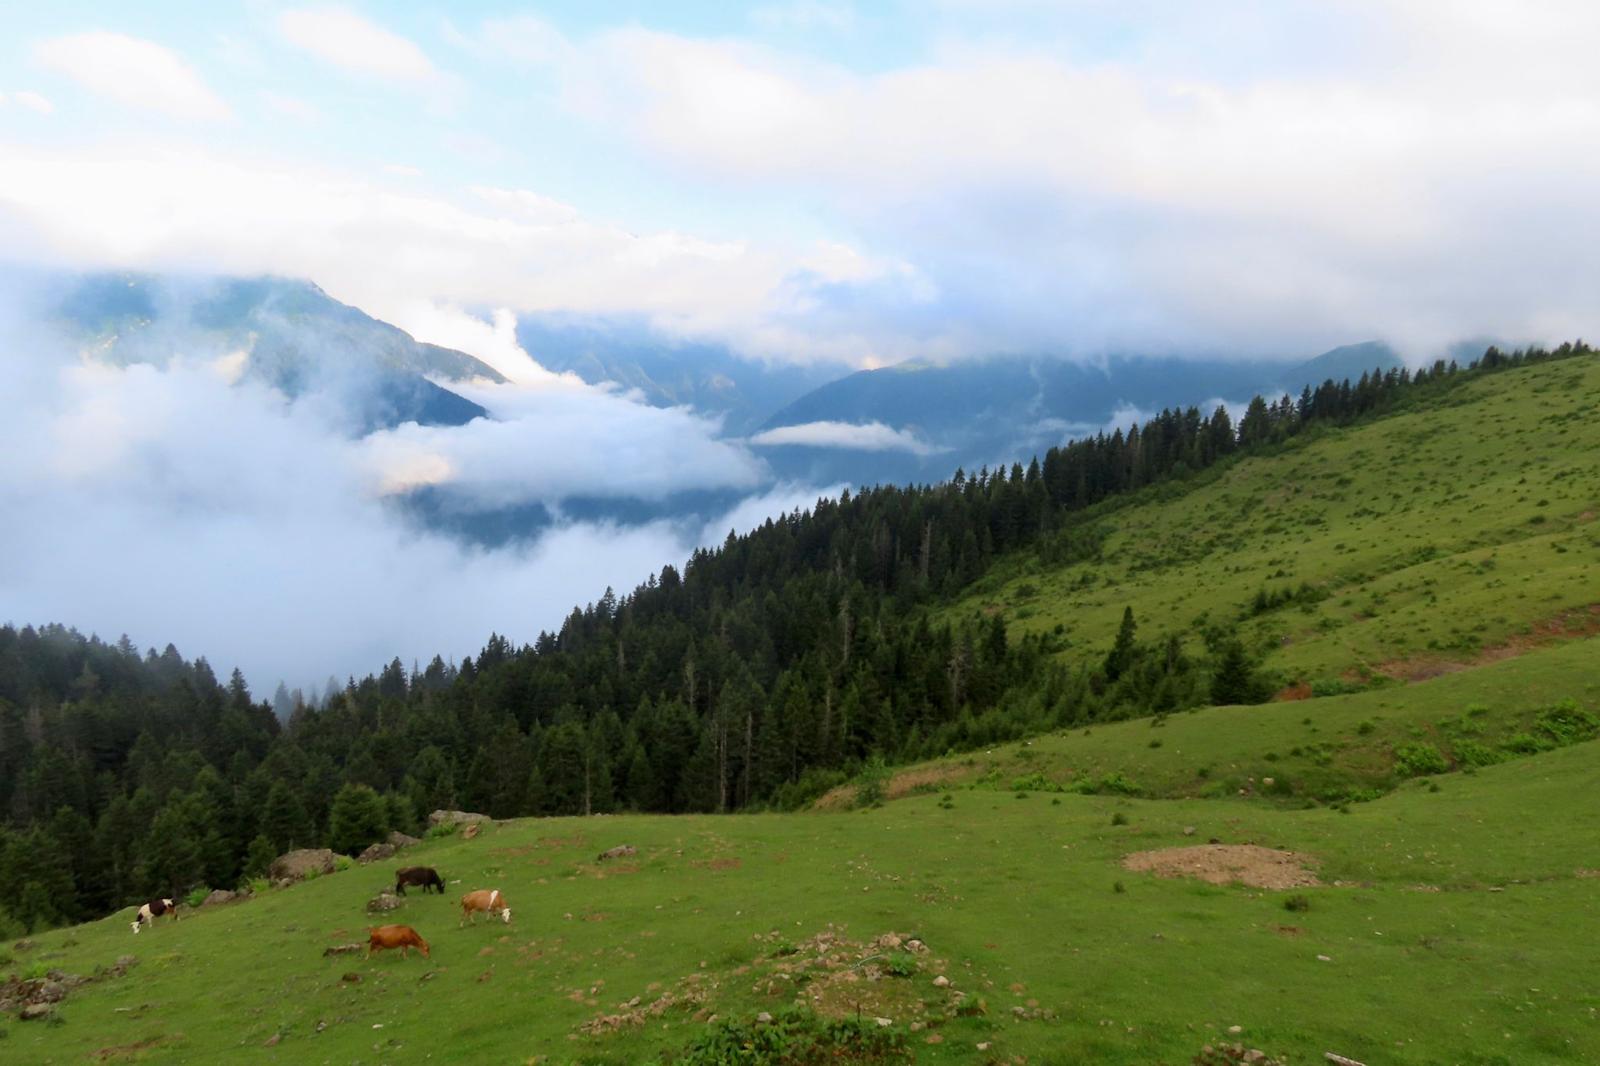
[[764, 672]]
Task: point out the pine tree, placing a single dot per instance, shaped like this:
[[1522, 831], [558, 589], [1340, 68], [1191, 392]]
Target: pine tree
[[359, 817], [1123, 651]]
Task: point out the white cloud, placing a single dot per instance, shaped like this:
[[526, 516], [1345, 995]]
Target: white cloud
[[292, 107], [867, 437], [170, 505], [39, 105], [355, 44], [134, 72], [388, 249], [805, 15], [402, 170], [1173, 195]]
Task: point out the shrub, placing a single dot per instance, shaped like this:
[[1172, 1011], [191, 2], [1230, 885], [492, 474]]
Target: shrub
[[900, 964], [446, 829], [1297, 904], [1034, 782], [1118, 887], [872, 783], [1568, 723], [1119, 819], [197, 896], [1474, 753], [1366, 727], [1414, 760], [796, 1036]]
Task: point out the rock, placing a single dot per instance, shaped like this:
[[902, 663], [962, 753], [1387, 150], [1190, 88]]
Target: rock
[[355, 978], [984, 1046], [1188, 830], [471, 831], [621, 851], [1268, 782], [1324, 958], [343, 949], [375, 852], [884, 1023], [34, 1012], [384, 901], [1235, 1030], [24, 945], [764, 1018], [941, 981], [49, 991], [295, 865], [217, 896], [934, 1038], [456, 818], [272, 1041], [401, 840]]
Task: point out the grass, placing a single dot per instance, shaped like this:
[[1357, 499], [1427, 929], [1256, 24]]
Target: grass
[[1451, 920], [1425, 540], [1440, 782]]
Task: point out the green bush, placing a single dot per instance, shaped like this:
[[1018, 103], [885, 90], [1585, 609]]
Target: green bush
[[1568, 723], [1473, 753], [1297, 904], [197, 896], [1414, 760], [795, 1037], [447, 829], [872, 783]]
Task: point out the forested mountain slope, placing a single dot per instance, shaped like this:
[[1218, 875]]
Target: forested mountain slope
[[770, 669]]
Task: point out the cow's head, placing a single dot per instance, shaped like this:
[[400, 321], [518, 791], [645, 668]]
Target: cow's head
[[137, 925], [505, 915]]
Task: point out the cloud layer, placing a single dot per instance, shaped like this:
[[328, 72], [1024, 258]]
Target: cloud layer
[[170, 503]]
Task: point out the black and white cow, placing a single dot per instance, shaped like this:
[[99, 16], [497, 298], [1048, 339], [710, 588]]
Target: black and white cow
[[151, 911]]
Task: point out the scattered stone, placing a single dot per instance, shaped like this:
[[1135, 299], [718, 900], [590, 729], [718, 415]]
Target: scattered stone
[[1188, 830], [764, 1018], [884, 1023], [350, 978], [933, 1038], [1235, 1030], [941, 981], [34, 1012], [621, 851], [272, 1041], [401, 840], [384, 901], [1268, 782], [376, 853], [24, 945], [456, 818], [297, 865], [220, 896], [343, 949], [984, 1046], [1324, 958]]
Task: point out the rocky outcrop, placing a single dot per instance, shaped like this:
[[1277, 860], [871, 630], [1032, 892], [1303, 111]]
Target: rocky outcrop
[[399, 840], [621, 851], [297, 865], [438, 818], [384, 901], [376, 853]]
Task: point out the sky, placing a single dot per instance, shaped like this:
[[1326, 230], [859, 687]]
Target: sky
[[813, 181], [825, 180]]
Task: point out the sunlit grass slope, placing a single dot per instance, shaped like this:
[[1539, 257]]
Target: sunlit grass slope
[[1453, 922], [1427, 539]]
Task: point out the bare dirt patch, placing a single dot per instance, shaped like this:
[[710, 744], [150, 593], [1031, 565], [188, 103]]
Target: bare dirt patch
[[1575, 624], [900, 785], [1221, 864]]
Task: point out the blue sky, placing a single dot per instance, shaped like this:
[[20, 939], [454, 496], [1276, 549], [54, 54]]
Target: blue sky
[[821, 179]]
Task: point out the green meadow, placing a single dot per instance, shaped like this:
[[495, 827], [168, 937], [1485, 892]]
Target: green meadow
[[1411, 544], [1428, 582]]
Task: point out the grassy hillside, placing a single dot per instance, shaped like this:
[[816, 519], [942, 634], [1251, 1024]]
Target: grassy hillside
[[1408, 546], [1436, 801], [1446, 929]]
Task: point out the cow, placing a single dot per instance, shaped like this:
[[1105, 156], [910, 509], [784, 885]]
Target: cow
[[425, 876], [403, 937], [488, 900], [151, 911]]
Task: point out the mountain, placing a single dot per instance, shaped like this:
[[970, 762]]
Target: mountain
[[1282, 660], [294, 337], [670, 373], [983, 411]]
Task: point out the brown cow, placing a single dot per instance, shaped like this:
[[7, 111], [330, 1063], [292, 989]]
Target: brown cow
[[488, 900], [396, 936]]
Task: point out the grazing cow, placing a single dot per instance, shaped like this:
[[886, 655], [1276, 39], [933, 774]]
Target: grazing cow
[[488, 900], [151, 911], [396, 936], [426, 876]]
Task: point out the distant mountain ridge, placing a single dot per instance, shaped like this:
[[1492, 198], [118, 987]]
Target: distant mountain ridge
[[296, 338]]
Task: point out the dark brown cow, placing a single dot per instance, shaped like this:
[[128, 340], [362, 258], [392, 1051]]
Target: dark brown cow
[[425, 876], [396, 936]]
